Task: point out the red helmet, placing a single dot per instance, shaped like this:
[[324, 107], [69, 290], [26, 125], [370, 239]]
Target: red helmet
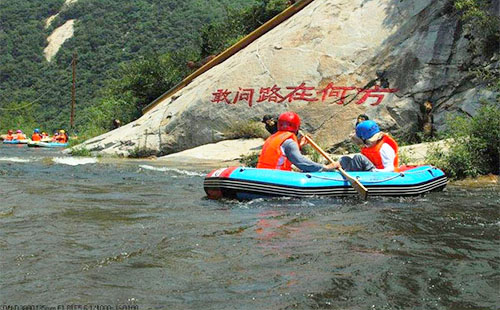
[[289, 121], [9, 131]]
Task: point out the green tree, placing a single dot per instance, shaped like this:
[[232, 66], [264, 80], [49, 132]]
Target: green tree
[[145, 80], [474, 148]]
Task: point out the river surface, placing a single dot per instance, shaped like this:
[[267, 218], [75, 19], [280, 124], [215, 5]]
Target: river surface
[[142, 235]]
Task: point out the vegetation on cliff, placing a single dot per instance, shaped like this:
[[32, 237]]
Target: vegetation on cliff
[[474, 146], [109, 34]]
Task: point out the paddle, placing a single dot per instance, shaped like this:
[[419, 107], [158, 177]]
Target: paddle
[[362, 191]]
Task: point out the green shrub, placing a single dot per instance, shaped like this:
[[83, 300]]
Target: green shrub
[[310, 152], [475, 145], [142, 152], [404, 157], [81, 151], [19, 115], [246, 130], [250, 160]]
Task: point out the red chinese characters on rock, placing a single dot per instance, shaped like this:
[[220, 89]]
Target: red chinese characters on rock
[[244, 94], [375, 92], [335, 91], [221, 96], [270, 94], [304, 93], [300, 93]]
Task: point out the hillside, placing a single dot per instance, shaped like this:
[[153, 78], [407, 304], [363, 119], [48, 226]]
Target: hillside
[[107, 34], [331, 61]]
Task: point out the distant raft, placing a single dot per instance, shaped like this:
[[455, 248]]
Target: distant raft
[[245, 183], [46, 144], [15, 141]]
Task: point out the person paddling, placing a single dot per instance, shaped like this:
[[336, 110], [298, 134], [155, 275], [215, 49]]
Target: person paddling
[[62, 137], [354, 138], [20, 135], [36, 136], [9, 136], [282, 149], [379, 151], [54, 137]]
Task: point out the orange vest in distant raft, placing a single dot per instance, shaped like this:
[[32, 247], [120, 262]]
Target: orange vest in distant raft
[[61, 138], [373, 152], [272, 157], [9, 137], [36, 137], [20, 136]]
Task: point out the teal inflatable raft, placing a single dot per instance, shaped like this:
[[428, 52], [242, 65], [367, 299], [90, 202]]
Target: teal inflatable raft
[[249, 183], [46, 144], [15, 141]]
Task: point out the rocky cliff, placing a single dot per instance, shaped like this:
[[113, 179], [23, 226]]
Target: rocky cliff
[[330, 62]]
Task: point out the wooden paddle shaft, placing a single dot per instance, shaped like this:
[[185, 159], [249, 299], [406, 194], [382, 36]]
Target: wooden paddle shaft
[[363, 192], [319, 149]]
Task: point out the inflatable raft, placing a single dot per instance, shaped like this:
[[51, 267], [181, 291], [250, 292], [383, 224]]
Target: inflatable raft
[[249, 183], [15, 141], [46, 144]]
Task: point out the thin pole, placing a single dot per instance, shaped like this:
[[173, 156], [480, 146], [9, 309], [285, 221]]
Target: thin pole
[[73, 92]]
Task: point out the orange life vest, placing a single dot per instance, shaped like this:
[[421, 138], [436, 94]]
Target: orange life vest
[[20, 136], [373, 152], [36, 137], [272, 157], [61, 138], [9, 137]]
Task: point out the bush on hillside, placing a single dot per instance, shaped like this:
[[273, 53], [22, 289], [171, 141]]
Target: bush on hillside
[[98, 119], [142, 152], [246, 130], [475, 145], [20, 115], [250, 160], [147, 79], [218, 36]]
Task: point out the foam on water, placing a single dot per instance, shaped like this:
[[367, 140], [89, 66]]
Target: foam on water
[[74, 161], [179, 171], [15, 159]]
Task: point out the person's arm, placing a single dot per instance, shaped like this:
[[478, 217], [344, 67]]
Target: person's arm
[[388, 155], [292, 152]]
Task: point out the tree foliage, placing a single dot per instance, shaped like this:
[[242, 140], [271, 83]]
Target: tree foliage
[[481, 25], [108, 35], [474, 147]]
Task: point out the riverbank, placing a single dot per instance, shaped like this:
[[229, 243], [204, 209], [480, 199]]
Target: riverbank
[[234, 150]]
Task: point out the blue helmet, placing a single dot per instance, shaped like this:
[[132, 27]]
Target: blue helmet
[[36, 130], [366, 129]]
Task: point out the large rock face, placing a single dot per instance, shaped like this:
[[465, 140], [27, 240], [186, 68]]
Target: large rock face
[[417, 50]]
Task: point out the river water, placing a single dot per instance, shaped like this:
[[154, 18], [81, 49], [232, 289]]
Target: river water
[[142, 235]]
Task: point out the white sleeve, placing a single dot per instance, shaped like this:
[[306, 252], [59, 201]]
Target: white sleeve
[[388, 155]]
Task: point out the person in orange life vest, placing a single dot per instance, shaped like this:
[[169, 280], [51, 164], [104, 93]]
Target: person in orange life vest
[[36, 136], [54, 137], [9, 136], [20, 135], [62, 138], [380, 151], [282, 149]]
